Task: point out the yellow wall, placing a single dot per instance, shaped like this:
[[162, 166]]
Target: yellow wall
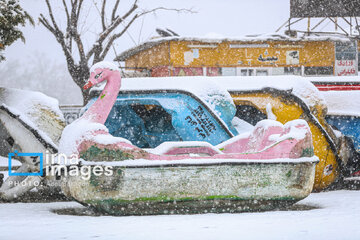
[[152, 57], [207, 56], [311, 53], [319, 54]]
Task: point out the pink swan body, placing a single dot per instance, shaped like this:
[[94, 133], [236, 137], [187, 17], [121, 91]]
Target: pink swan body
[[267, 141]]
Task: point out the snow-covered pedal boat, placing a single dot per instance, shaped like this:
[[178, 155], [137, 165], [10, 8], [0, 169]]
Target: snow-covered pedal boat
[[30, 122], [187, 152], [343, 115], [286, 98], [140, 187]]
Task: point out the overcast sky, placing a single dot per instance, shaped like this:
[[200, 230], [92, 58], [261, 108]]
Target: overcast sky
[[224, 17]]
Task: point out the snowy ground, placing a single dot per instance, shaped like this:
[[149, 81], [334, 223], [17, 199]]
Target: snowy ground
[[332, 215]]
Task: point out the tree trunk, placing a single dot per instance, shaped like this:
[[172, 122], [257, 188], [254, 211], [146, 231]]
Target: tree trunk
[[86, 96], [80, 75]]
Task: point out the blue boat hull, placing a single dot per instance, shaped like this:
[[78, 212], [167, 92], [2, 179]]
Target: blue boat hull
[[348, 125]]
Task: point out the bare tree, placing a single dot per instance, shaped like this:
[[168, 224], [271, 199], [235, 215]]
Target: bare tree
[[71, 38]]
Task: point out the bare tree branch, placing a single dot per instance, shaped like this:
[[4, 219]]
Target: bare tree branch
[[67, 12], [166, 9], [68, 28], [79, 8], [46, 24], [60, 40], [79, 69], [52, 16], [114, 10], [75, 7], [116, 23], [74, 18], [80, 46], [116, 36], [59, 36], [95, 50], [103, 15]]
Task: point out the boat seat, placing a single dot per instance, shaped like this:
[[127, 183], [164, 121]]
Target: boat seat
[[123, 122], [186, 148]]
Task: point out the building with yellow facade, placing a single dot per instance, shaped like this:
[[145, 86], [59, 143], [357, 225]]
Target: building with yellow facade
[[249, 56]]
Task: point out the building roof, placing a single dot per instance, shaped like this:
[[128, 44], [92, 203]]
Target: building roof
[[219, 39]]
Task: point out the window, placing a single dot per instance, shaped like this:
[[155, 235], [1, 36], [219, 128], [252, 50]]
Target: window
[[243, 72], [228, 71], [249, 114], [145, 126], [154, 117], [252, 72], [262, 73], [319, 71], [292, 71]]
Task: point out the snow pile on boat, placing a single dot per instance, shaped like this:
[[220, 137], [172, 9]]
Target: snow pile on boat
[[166, 146], [104, 64], [294, 132], [295, 129], [40, 112], [299, 86], [84, 130], [343, 102], [241, 126]]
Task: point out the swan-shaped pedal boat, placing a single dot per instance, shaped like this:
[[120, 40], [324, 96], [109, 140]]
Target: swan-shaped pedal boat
[[270, 166]]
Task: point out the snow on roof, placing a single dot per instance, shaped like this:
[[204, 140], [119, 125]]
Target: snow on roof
[[343, 102], [216, 39]]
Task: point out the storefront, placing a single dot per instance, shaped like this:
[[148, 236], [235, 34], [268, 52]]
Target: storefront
[[249, 56]]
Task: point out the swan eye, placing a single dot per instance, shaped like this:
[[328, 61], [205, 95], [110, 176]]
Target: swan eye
[[98, 75]]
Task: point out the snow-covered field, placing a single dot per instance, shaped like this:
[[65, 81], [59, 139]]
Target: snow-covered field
[[327, 215]]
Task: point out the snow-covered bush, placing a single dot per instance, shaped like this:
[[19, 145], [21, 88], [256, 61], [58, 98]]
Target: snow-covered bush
[[11, 16]]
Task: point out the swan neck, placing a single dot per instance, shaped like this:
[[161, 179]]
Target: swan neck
[[99, 111]]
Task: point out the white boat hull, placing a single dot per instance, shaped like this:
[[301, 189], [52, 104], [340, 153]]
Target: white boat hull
[[231, 186]]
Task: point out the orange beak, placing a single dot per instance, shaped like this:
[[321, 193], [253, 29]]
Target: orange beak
[[88, 85]]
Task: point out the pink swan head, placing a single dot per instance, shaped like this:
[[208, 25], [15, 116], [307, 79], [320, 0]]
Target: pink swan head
[[100, 72]]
